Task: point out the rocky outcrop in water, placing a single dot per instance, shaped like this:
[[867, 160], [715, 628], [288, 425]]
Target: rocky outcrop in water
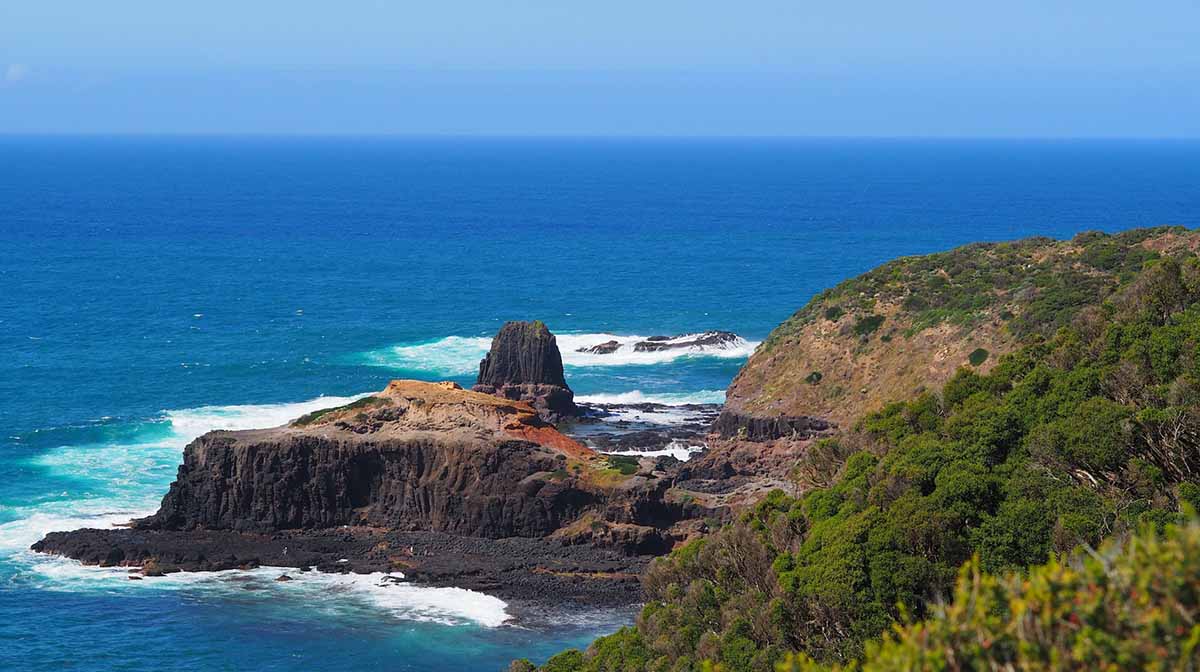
[[524, 364], [706, 340], [605, 348], [407, 464], [709, 340]]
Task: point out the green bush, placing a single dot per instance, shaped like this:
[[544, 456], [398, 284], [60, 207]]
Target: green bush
[[626, 464], [867, 325], [1130, 606]]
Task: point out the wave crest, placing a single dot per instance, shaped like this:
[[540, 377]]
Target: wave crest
[[458, 356]]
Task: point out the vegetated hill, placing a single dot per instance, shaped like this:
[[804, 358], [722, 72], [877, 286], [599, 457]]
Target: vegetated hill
[[907, 325], [1088, 430]]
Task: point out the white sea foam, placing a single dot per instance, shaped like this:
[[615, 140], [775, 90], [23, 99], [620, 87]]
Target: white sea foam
[[460, 355], [661, 415], [666, 398], [190, 423], [121, 481], [450, 356], [316, 590], [680, 450], [625, 355]]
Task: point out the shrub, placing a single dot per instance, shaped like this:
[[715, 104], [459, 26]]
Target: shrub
[[978, 356], [627, 465], [865, 326], [1129, 606]]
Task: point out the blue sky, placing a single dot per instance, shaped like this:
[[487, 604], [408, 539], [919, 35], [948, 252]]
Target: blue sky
[[851, 68]]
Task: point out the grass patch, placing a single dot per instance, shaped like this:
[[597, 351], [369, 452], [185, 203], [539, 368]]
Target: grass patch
[[626, 465], [365, 402]]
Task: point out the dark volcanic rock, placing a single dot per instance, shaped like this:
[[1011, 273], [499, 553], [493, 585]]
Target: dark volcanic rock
[[605, 348], [269, 480], [732, 425], [524, 364], [417, 456], [709, 339], [525, 569]]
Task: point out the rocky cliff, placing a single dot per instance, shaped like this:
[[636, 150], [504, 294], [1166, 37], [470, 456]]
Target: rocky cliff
[[417, 459], [417, 456], [524, 364]]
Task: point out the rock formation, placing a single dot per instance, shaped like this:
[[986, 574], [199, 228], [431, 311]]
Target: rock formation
[[417, 456], [524, 364], [710, 340], [413, 467]]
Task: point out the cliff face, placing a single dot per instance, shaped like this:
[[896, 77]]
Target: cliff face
[[263, 482], [524, 364], [418, 457], [908, 325]]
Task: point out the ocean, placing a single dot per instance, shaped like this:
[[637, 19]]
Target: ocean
[[154, 288]]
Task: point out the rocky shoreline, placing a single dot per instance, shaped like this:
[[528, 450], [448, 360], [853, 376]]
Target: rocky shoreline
[[528, 571], [448, 487]]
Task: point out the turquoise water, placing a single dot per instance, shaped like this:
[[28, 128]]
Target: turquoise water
[[152, 289]]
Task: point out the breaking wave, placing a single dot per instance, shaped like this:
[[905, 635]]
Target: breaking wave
[[460, 355], [666, 398]]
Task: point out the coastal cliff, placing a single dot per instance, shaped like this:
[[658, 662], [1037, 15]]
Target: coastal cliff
[[426, 467], [416, 456], [524, 364]]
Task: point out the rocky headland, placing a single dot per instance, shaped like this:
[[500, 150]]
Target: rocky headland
[[445, 485]]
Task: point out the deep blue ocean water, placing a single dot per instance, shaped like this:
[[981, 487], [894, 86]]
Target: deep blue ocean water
[[152, 289]]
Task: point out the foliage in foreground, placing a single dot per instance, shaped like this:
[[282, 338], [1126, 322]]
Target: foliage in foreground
[[1131, 606], [1068, 441]]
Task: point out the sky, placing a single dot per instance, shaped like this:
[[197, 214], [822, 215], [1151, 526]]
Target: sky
[[1020, 68]]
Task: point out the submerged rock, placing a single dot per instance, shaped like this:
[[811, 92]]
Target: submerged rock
[[524, 364]]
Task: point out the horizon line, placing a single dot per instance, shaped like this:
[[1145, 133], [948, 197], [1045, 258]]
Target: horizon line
[[348, 135]]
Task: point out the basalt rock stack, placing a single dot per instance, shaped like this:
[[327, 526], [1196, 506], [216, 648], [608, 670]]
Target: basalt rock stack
[[524, 364]]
